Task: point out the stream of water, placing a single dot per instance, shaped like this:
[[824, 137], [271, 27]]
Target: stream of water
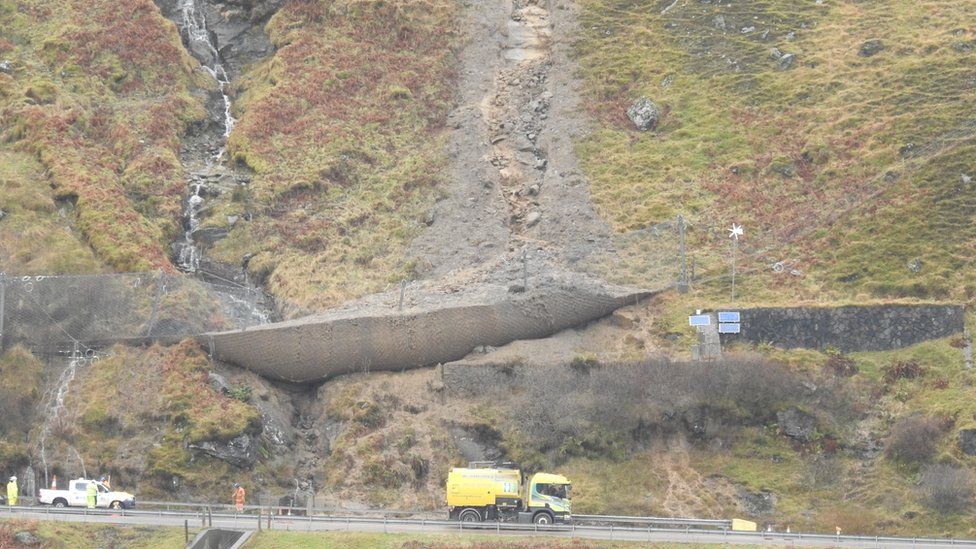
[[53, 405], [202, 43], [240, 300]]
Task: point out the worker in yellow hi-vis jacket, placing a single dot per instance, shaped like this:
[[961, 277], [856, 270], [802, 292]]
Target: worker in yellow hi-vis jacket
[[92, 493], [12, 491]]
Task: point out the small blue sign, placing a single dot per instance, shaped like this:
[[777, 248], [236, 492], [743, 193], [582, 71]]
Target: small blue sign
[[728, 316], [729, 328], [700, 320]]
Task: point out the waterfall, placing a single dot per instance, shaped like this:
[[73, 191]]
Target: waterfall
[[53, 403], [199, 36], [208, 168], [203, 45]]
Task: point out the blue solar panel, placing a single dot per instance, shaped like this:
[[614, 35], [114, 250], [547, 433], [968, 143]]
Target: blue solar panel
[[728, 317], [729, 328], [699, 320]]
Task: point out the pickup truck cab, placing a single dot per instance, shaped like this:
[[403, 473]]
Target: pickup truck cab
[[77, 496]]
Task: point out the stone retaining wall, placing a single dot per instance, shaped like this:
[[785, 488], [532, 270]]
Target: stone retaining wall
[[849, 328]]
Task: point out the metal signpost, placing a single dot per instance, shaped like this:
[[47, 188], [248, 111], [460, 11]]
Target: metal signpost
[[734, 233]]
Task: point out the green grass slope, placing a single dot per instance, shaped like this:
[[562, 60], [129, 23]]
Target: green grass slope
[[847, 165], [99, 97], [341, 126]]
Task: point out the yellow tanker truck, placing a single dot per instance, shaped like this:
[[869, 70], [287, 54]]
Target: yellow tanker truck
[[490, 491]]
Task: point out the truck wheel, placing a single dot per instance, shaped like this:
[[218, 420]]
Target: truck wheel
[[542, 518], [116, 505], [470, 515], [60, 503]]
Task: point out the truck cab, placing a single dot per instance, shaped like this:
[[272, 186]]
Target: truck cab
[[549, 495]]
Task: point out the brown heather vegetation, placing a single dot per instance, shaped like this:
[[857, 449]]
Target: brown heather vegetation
[[341, 127], [99, 96]]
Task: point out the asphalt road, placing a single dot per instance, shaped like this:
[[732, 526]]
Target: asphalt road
[[321, 524]]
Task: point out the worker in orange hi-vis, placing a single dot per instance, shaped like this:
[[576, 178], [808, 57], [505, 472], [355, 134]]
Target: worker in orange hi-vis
[[239, 495]]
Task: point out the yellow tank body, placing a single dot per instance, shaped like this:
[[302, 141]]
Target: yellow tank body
[[481, 487]]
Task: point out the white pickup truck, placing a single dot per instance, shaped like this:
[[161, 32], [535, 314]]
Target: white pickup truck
[[77, 496]]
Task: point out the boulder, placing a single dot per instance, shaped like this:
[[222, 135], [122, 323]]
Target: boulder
[[240, 452], [644, 114], [27, 538], [532, 219], [797, 424], [6, 66], [218, 382], [967, 441], [870, 48], [786, 61], [757, 503]]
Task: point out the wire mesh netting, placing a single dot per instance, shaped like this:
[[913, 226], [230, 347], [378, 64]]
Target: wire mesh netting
[[56, 313]]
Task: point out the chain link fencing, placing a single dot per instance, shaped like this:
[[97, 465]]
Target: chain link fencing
[[57, 314]]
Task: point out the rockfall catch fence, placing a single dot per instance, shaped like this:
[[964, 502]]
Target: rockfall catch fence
[[319, 347], [80, 313], [57, 314]]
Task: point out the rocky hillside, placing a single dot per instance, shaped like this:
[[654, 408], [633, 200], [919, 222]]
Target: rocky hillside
[[330, 149]]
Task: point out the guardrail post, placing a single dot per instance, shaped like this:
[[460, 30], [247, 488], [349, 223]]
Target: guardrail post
[[186, 530], [259, 519]]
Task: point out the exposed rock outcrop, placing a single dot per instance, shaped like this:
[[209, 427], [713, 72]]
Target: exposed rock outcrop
[[797, 424], [240, 452], [967, 441]]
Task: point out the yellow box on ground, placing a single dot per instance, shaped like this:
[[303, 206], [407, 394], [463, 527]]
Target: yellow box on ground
[[739, 525]]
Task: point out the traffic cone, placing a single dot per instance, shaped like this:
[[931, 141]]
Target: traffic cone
[[54, 482]]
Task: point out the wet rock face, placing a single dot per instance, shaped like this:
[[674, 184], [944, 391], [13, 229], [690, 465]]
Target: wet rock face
[[644, 114], [797, 424], [236, 27], [256, 10], [967, 441], [240, 452]]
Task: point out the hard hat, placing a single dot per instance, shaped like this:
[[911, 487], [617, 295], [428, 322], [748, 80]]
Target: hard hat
[[13, 477], [236, 485]]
